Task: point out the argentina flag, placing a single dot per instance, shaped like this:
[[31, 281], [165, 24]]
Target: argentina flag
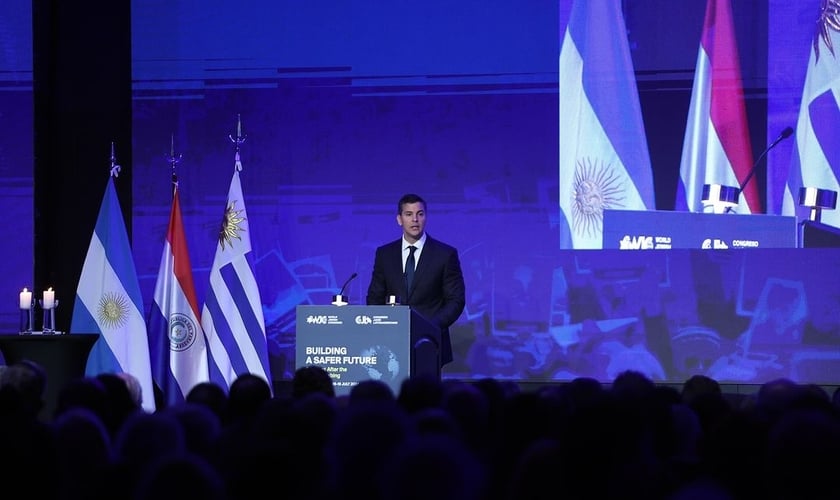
[[815, 161], [108, 301], [604, 162], [232, 317], [178, 348]]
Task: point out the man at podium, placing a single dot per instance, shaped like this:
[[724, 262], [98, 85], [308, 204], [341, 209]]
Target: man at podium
[[423, 272]]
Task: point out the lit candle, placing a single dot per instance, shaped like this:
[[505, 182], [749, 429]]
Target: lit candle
[[49, 299], [25, 299]]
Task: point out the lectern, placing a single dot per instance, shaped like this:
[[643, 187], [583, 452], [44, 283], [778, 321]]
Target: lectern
[[355, 343]]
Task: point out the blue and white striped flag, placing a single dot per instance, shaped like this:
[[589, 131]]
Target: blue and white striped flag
[[108, 302], [604, 158], [816, 155], [232, 316], [178, 347]]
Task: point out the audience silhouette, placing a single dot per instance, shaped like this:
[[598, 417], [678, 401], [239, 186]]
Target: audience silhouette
[[486, 439]]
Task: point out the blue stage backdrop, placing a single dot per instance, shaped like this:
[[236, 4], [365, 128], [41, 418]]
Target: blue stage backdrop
[[348, 105], [16, 157]]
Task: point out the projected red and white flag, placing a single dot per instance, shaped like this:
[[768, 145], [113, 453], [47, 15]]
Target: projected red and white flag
[[716, 148]]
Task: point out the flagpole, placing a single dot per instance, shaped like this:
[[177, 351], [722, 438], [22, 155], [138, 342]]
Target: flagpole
[[115, 169], [238, 141], [173, 160]]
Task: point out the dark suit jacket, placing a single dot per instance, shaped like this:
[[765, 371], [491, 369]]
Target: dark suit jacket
[[437, 291]]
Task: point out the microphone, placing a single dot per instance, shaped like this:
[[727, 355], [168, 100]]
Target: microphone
[[351, 278], [340, 299], [787, 132]]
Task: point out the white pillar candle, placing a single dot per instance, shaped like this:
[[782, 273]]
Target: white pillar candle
[[25, 299], [49, 299]]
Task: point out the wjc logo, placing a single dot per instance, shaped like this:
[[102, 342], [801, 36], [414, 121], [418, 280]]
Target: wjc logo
[[636, 243], [316, 320]]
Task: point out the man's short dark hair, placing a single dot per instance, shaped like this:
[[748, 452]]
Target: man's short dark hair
[[410, 198]]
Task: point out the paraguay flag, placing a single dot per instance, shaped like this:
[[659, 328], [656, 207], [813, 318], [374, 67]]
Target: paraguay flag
[[816, 156], [232, 317], [179, 355], [716, 148], [604, 158], [108, 301]]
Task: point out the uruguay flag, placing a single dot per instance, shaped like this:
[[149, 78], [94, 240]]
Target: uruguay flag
[[816, 156], [716, 147], [604, 158], [108, 302], [232, 317], [177, 342]]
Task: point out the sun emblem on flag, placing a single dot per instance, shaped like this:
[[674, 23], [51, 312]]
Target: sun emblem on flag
[[113, 310], [829, 20], [595, 189], [231, 225]]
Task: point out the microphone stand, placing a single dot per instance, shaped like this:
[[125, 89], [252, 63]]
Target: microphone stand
[[340, 299], [787, 132]]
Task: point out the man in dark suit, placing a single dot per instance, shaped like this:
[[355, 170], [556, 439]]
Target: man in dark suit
[[435, 288]]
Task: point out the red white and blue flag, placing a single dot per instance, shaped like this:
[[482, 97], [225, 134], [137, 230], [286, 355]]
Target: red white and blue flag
[[716, 148], [178, 348]]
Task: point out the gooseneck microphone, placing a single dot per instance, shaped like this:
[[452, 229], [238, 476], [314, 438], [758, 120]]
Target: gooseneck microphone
[[351, 278], [340, 299], [787, 132]]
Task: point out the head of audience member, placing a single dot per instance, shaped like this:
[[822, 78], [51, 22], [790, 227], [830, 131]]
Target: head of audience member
[[778, 396], [247, 394], [180, 476], [435, 421], [134, 388], [470, 409], [22, 387], [311, 378], [210, 395], [635, 386], [420, 392], [83, 451], [699, 385], [84, 392], [835, 398], [362, 440], [200, 425], [142, 441], [803, 454], [371, 390], [584, 391], [119, 402], [27, 441], [433, 466]]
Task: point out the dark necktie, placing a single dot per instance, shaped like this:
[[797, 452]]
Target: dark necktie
[[409, 268]]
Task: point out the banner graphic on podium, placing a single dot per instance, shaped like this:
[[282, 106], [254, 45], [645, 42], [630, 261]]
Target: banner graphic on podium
[[355, 343]]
